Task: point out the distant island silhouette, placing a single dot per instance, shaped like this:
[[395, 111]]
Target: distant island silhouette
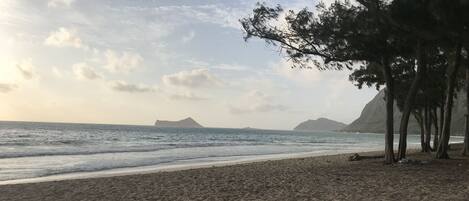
[[320, 124], [184, 123]]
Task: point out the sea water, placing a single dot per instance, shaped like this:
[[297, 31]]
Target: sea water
[[31, 150]]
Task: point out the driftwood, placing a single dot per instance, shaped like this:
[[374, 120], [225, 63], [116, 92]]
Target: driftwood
[[357, 157]]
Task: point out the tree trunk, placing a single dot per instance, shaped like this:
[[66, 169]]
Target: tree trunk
[[419, 118], [427, 116], [408, 103], [442, 152], [389, 134], [436, 132], [428, 129], [442, 118], [465, 150]]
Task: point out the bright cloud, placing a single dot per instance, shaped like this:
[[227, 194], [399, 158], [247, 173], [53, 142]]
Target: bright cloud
[[256, 102], [64, 38], [6, 87], [26, 69], [85, 72], [122, 63], [123, 86], [308, 77], [186, 96], [57, 72], [285, 69], [192, 79], [59, 3]]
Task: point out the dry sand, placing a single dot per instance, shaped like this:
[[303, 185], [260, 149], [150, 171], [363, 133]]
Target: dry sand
[[314, 178]]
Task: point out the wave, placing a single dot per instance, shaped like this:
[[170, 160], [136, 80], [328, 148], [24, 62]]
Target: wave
[[143, 163], [94, 151]]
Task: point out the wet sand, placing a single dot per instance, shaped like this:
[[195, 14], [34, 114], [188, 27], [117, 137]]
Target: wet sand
[[313, 178]]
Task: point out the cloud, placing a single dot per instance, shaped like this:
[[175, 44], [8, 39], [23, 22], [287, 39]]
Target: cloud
[[256, 102], [257, 108], [64, 38], [231, 67], [226, 15], [26, 68], [59, 3], [192, 79], [123, 86], [218, 14], [57, 72], [217, 66], [187, 38], [5, 87], [122, 63], [308, 76], [223, 16], [186, 96], [84, 71]]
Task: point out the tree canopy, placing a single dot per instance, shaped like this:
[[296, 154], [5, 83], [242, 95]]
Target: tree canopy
[[412, 47]]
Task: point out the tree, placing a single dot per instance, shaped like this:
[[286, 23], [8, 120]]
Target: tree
[[429, 23], [465, 149], [414, 18], [429, 95], [341, 36], [395, 43], [454, 30]]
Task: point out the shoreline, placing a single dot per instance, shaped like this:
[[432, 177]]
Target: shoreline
[[330, 177], [180, 166], [187, 165]]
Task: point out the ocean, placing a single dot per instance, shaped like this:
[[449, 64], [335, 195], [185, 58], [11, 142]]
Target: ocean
[[30, 151]]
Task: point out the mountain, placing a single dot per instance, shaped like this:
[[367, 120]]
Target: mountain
[[372, 118], [185, 123], [321, 124]]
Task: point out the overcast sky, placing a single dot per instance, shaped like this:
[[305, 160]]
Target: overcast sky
[[135, 61]]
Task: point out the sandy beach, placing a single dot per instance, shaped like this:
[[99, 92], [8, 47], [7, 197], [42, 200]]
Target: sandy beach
[[314, 178]]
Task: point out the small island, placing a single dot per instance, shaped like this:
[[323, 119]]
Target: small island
[[320, 124], [250, 128], [184, 123]]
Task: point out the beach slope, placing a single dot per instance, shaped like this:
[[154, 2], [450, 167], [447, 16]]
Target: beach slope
[[314, 178]]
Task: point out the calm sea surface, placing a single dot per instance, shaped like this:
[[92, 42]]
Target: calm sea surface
[[31, 150]]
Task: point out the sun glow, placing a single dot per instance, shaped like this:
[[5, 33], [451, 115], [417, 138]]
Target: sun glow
[[6, 9], [8, 73], [10, 43]]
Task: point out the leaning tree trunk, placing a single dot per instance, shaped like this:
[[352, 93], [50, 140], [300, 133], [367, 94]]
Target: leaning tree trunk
[[442, 151], [389, 134], [408, 103], [436, 132], [465, 150]]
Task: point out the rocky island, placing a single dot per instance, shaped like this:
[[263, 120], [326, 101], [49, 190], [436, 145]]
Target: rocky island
[[184, 123]]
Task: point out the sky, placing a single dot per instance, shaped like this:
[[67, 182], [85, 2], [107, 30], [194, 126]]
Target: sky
[[136, 61]]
